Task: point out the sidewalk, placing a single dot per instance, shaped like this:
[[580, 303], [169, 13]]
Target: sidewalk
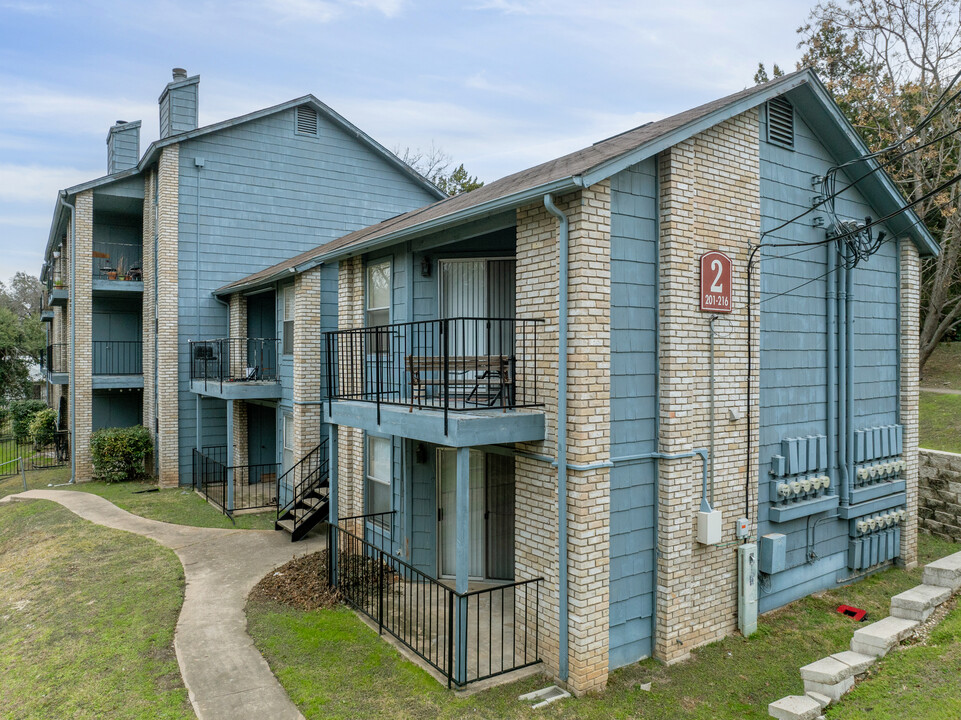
[[226, 676]]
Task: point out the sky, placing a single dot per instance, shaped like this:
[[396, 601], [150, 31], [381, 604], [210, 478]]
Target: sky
[[499, 85]]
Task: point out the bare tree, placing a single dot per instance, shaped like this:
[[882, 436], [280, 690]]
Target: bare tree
[[888, 63], [434, 164]]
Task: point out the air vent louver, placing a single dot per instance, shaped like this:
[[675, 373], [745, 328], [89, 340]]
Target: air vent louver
[[780, 122], [306, 120]]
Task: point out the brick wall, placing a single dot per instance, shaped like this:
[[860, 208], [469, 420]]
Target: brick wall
[[588, 431], [308, 356], [167, 308], [910, 344], [149, 310], [939, 493], [237, 324], [350, 441], [710, 200], [241, 438], [81, 304]]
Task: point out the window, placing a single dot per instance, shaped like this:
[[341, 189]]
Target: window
[[288, 441], [780, 122], [289, 320], [378, 302], [377, 481]]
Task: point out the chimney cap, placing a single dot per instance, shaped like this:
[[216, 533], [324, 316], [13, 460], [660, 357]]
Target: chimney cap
[[121, 122], [179, 74]]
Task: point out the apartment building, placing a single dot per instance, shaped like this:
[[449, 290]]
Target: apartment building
[[570, 410], [132, 258]]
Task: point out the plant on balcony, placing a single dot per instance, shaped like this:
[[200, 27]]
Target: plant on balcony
[[43, 427], [119, 454], [122, 269]]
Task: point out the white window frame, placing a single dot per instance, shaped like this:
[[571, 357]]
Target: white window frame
[[288, 322], [367, 294], [370, 477], [287, 434]]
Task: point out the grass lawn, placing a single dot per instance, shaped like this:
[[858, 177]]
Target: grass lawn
[[334, 666], [923, 678], [943, 368], [87, 617], [940, 422], [180, 506]]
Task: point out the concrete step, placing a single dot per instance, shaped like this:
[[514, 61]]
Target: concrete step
[[827, 670], [878, 638], [794, 707], [287, 525], [834, 691], [859, 663], [945, 572], [822, 700], [919, 602]]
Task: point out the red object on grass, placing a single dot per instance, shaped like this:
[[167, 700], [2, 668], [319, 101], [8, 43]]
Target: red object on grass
[[853, 612]]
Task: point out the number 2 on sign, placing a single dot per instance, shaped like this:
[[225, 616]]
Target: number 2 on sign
[[716, 266]]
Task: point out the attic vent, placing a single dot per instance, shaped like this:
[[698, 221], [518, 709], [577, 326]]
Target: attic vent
[[306, 120], [780, 122]]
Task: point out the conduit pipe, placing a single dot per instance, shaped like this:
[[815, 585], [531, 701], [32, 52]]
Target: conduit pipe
[[832, 363], [849, 369], [72, 304], [563, 250], [842, 446]]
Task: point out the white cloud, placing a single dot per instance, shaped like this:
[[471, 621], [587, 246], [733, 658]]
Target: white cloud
[[28, 8], [37, 183], [315, 11], [389, 8], [26, 221]]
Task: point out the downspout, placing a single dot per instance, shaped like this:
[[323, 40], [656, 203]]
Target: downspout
[[842, 446], [156, 322], [563, 250], [73, 334], [849, 369], [831, 326]]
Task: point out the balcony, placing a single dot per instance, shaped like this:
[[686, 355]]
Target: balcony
[[235, 368], [56, 364], [117, 268], [117, 364], [457, 382]]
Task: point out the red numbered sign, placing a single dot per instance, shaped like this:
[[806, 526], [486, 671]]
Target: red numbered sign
[[715, 282]]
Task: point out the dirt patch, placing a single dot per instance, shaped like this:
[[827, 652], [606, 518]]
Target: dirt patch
[[300, 584]]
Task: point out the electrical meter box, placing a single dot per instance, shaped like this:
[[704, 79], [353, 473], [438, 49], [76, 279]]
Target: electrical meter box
[[772, 552], [709, 527]]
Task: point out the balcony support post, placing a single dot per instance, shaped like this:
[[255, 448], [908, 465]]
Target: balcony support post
[[462, 560], [230, 457], [333, 511]]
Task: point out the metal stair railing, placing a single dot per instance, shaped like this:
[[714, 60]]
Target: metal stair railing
[[309, 474]]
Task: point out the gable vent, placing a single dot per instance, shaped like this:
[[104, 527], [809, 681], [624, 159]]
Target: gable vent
[[780, 122], [306, 120]]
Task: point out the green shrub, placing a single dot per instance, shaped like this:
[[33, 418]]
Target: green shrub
[[21, 413], [43, 426], [119, 453], [4, 416]]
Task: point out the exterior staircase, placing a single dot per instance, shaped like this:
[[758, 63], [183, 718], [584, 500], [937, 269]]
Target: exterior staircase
[[309, 502]]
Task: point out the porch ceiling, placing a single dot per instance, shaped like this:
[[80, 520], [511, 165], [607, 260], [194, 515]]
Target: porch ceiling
[[464, 429]]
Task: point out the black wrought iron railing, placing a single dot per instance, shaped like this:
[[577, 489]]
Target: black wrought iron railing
[[234, 487], [55, 359], [117, 260], [308, 477], [35, 456], [227, 360], [466, 637], [451, 364], [117, 357]]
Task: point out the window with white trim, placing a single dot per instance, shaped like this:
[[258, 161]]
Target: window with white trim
[[377, 302], [288, 441], [377, 490], [289, 320]]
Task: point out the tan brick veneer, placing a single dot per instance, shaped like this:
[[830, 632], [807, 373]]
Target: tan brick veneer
[[81, 304], [149, 310], [168, 351], [308, 362], [710, 200], [350, 441], [910, 344]]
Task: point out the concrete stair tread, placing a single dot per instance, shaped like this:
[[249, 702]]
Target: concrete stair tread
[[857, 661], [834, 691], [945, 572], [827, 670], [879, 637], [822, 700], [794, 707], [922, 597], [287, 525]]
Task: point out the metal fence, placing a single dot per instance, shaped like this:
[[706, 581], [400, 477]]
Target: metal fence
[[35, 457], [234, 360], [234, 487], [464, 636], [450, 364], [55, 359]]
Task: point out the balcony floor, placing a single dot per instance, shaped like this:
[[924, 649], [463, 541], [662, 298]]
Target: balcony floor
[[464, 428], [239, 390], [117, 382]]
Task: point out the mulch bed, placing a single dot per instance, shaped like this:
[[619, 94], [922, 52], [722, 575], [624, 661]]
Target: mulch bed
[[300, 584]]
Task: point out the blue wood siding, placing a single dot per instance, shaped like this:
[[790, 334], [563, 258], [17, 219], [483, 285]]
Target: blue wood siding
[[793, 372], [113, 408], [265, 194], [633, 410]]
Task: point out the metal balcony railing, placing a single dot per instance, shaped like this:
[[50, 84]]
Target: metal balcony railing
[[55, 359], [117, 261], [228, 360], [117, 357], [451, 364]]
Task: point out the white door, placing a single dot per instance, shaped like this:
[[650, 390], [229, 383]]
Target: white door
[[447, 521]]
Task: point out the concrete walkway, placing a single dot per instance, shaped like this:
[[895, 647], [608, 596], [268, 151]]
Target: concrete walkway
[[225, 675]]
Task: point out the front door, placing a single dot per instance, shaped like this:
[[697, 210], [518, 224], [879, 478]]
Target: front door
[[262, 442], [261, 334], [491, 515]]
